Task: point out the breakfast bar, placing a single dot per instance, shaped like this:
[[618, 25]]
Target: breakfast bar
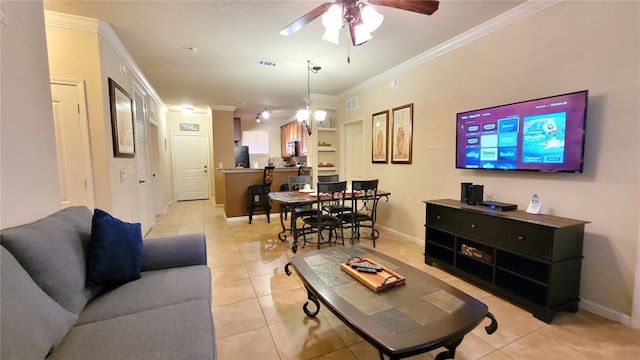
[[232, 184]]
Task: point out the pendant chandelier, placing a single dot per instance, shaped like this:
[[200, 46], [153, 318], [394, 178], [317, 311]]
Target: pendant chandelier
[[304, 116]]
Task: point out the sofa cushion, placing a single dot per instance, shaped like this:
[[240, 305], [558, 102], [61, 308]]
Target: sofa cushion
[[53, 251], [154, 290], [32, 323], [181, 331], [115, 256]]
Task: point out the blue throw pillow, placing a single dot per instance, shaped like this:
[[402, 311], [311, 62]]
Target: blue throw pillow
[[115, 255]]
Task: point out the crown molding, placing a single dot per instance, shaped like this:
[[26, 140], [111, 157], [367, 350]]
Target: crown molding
[[103, 29], [69, 21], [505, 19]]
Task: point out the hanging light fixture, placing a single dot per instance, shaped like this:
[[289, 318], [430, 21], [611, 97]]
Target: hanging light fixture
[[304, 116], [361, 18]]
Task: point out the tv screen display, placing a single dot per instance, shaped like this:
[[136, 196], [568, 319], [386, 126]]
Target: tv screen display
[[545, 134]]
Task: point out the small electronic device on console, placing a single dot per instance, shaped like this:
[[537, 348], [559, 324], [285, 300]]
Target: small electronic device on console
[[495, 205], [535, 206]]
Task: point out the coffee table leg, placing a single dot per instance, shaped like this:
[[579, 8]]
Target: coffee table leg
[[451, 350], [315, 301], [491, 328]]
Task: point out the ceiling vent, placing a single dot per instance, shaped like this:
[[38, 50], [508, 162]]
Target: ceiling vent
[[267, 63], [352, 103]]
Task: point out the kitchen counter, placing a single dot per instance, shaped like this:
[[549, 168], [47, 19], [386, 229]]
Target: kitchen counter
[[232, 184]]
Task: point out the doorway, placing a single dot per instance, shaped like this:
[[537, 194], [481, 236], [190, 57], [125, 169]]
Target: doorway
[[352, 141], [75, 174], [191, 177]]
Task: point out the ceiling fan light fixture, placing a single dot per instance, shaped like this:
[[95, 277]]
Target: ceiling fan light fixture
[[332, 19], [332, 36], [361, 34], [372, 19]]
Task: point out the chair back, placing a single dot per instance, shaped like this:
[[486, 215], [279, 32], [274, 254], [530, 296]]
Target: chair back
[[298, 182], [364, 194], [267, 175], [331, 194], [328, 178]]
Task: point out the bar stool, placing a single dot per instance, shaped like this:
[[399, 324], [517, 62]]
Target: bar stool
[[258, 195]]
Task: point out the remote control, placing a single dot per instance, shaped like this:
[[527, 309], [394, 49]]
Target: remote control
[[368, 270], [366, 266]]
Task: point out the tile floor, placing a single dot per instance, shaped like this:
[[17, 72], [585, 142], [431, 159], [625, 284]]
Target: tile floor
[[258, 314]]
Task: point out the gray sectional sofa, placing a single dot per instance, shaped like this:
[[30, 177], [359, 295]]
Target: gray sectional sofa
[[49, 311]]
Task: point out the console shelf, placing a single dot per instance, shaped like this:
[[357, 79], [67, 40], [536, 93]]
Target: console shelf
[[532, 260]]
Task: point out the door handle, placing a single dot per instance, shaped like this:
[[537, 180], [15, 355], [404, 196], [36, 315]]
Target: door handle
[[141, 181]]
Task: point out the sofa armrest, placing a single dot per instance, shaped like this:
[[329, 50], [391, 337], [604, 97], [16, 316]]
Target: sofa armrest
[[174, 251]]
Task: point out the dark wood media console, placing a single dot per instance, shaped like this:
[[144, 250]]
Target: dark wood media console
[[532, 260]]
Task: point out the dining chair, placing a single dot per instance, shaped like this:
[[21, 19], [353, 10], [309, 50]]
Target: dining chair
[[297, 183], [364, 204], [258, 195], [321, 220], [328, 178]]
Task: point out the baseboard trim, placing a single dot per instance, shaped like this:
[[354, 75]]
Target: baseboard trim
[[605, 312]]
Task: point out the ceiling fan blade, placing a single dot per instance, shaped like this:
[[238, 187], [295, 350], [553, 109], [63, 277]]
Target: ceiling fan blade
[[307, 18], [426, 7]]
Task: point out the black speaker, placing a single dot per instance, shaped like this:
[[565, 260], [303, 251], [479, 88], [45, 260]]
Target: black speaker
[[476, 194], [464, 191]]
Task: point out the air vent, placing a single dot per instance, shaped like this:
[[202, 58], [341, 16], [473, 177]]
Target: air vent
[[267, 63], [352, 103]]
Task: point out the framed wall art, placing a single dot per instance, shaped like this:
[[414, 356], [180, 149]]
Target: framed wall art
[[402, 134], [379, 135], [121, 121]]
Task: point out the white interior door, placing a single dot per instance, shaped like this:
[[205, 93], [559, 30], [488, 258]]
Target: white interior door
[[353, 156], [190, 166], [144, 184], [72, 143], [156, 181]]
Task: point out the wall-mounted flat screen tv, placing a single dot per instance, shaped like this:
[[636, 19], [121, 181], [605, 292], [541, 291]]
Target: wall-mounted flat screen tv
[[545, 134]]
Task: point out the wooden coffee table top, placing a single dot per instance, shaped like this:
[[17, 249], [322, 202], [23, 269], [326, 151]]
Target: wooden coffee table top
[[418, 316]]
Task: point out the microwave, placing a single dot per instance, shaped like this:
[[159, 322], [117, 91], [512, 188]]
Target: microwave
[[292, 148]]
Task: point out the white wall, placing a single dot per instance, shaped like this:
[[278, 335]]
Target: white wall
[[87, 49], [567, 47], [29, 186]]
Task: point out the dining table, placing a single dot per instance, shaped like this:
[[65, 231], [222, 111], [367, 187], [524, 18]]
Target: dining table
[[289, 200]]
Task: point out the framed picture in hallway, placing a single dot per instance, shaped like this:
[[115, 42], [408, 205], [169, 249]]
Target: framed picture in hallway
[[121, 121], [402, 135], [379, 134]]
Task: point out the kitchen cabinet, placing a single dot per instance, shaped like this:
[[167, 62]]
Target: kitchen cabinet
[[293, 131]]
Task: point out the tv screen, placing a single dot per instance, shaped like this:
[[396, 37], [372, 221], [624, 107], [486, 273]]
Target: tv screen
[[545, 134]]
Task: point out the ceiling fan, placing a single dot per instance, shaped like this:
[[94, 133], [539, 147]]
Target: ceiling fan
[[361, 18]]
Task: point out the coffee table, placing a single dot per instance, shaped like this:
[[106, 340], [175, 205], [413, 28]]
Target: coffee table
[[421, 315]]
